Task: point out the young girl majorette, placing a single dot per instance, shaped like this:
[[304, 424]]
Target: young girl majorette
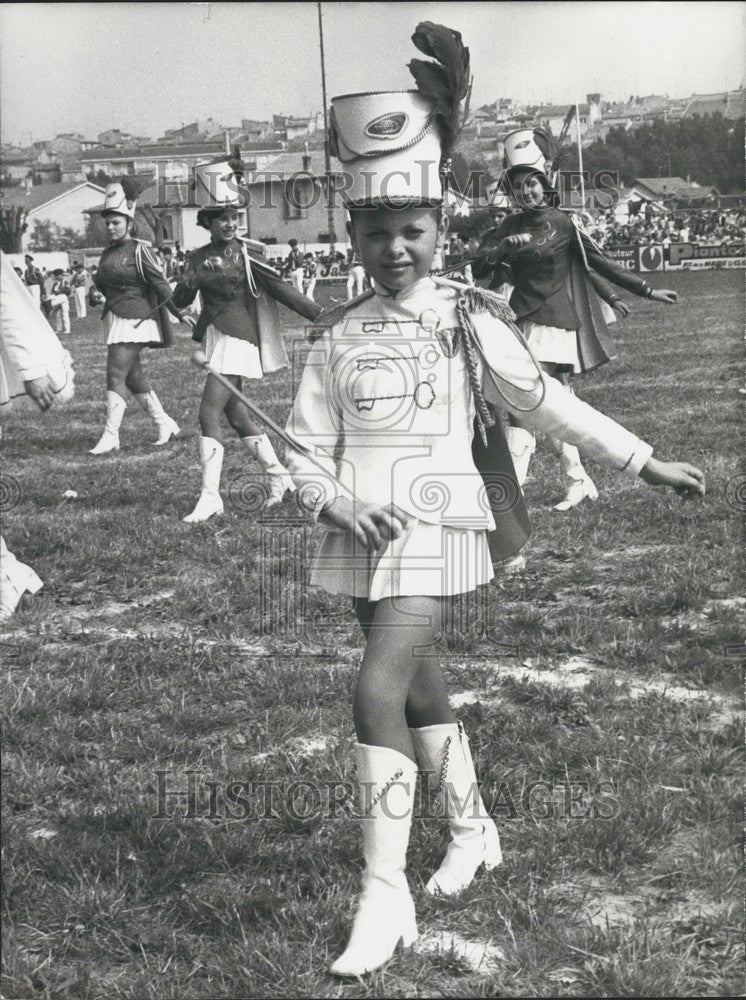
[[556, 270], [387, 404], [240, 327], [135, 290]]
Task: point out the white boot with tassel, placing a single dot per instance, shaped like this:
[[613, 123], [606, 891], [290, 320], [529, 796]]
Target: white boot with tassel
[[209, 502], [581, 485], [522, 445], [385, 913], [280, 479], [109, 440], [443, 751], [167, 426]]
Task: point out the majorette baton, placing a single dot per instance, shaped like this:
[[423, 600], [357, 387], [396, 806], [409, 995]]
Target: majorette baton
[[199, 358]]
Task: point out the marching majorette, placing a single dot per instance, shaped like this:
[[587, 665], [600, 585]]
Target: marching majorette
[[420, 494], [239, 325], [135, 315], [557, 273]]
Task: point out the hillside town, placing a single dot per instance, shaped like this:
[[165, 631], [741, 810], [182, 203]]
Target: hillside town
[[52, 190]]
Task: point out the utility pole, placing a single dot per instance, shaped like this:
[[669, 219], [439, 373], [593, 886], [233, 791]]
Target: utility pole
[[327, 155], [580, 159]]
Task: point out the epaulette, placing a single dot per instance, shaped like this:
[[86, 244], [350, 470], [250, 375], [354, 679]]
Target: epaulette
[[335, 315], [481, 300], [255, 256]]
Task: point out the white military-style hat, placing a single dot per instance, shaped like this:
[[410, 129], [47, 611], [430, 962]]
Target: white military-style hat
[[218, 184], [392, 143], [528, 149], [120, 198], [389, 146]]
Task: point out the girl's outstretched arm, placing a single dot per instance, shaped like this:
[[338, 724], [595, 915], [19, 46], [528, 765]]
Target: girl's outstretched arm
[[552, 410]]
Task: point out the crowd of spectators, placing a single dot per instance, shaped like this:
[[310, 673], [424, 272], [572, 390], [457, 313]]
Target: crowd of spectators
[[700, 226]]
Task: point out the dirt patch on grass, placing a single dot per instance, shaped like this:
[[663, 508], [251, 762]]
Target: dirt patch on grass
[[479, 957], [577, 672]]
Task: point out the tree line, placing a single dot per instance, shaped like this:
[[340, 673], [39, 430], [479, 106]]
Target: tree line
[[708, 150]]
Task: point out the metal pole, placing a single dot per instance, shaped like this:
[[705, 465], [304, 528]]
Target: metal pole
[[327, 155], [580, 158]]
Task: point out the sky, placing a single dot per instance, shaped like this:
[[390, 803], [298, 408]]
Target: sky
[[145, 67]]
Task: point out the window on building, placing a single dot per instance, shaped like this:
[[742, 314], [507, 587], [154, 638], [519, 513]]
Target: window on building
[[296, 199], [323, 238], [269, 240]]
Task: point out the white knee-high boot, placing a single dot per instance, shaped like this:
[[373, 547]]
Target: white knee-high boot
[[109, 440], [280, 479], [167, 426], [522, 445], [581, 485], [211, 460], [385, 912], [443, 751]]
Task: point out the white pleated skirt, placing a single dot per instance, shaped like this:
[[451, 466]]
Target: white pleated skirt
[[119, 330], [426, 559], [231, 355], [552, 345]]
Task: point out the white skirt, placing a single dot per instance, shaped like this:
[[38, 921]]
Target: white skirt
[[119, 330], [426, 559], [552, 345], [231, 355]]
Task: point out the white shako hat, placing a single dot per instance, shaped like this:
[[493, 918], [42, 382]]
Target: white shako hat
[[116, 200], [528, 149], [216, 184], [389, 146]]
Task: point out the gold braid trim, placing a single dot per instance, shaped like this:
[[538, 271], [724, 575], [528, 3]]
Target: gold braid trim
[[484, 416]]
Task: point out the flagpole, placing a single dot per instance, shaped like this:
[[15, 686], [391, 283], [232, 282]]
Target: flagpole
[[327, 156], [580, 158]]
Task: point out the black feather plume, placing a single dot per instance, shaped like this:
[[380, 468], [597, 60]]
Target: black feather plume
[[237, 165], [447, 82], [133, 185]]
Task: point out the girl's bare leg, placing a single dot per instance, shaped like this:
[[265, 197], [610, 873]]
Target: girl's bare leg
[[136, 380], [427, 699], [240, 418], [121, 359], [399, 664], [215, 399]]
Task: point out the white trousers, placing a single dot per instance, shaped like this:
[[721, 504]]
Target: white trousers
[[355, 282], [61, 312], [80, 305]]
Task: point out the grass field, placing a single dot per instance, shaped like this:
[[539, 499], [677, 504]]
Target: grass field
[[601, 690]]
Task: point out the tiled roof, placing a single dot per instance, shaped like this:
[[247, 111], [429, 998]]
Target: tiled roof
[[173, 151], [41, 194], [291, 163]]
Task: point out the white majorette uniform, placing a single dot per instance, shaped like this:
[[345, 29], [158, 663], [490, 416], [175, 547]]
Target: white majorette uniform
[[389, 386], [393, 404]]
